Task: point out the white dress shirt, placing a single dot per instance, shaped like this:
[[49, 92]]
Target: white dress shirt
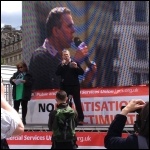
[[8, 124]]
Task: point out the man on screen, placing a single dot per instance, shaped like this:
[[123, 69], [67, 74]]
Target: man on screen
[[44, 61]]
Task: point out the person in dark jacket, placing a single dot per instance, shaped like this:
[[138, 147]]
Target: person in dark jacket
[[69, 71], [22, 88], [61, 98], [113, 139]]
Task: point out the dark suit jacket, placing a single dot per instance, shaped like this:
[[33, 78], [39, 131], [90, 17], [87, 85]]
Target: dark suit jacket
[[27, 89], [113, 139], [69, 75]]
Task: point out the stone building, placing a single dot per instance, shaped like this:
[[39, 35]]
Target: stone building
[[131, 43], [11, 45]]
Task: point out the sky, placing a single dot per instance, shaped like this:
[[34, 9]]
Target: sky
[[11, 13]]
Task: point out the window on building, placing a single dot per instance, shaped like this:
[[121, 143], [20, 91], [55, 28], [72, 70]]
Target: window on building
[[16, 47], [7, 41], [19, 56], [10, 59], [15, 57], [20, 37], [16, 38], [136, 79], [140, 78], [2, 52], [6, 50], [2, 43], [20, 44], [140, 11], [145, 78], [116, 10], [11, 48], [141, 49], [115, 77], [115, 48], [6, 60]]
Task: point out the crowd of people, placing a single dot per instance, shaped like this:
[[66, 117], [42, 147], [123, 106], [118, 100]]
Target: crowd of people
[[51, 66]]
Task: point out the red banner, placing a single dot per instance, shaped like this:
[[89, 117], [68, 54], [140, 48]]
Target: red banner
[[99, 105], [43, 139], [96, 92]]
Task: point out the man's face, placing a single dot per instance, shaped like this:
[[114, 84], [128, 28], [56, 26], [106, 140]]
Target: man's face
[[65, 33], [66, 56]]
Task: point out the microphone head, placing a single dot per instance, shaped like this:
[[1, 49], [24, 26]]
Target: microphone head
[[77, 41]]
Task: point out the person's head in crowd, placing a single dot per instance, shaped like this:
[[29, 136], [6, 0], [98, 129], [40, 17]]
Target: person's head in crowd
[[142, 121], [66, 55], [60, 25], [137, 140], [22, 67], [61, 97]]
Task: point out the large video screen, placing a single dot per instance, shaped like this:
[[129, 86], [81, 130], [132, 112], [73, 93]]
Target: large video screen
[[116, 34]]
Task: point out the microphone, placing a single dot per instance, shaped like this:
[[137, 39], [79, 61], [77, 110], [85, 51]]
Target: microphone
[[81, 45]]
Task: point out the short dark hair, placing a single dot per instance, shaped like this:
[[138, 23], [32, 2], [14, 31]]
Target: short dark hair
[[54, 19], [61, 95], [144, 121]]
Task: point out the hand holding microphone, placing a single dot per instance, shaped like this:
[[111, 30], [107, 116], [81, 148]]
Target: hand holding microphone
[[73, 65], [63, 61], [82, 53]]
